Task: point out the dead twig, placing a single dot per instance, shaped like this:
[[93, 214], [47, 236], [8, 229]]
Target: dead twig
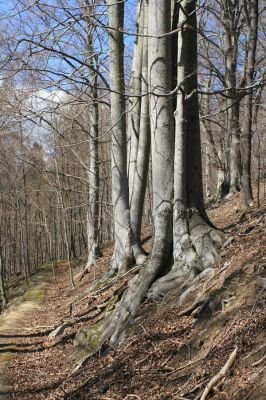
[[255, 364], [221, 374], [255, 351]]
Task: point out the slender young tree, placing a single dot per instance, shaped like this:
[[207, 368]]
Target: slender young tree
[[93, 171], [251, 9]]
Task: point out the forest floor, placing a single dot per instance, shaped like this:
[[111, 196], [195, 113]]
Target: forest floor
[[171, 352]]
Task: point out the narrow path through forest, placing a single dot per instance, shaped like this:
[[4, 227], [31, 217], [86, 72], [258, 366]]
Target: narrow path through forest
[[24, 327]]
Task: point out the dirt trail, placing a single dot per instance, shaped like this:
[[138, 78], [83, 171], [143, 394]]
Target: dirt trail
[[8, 322], [19, 327], [32, 364]]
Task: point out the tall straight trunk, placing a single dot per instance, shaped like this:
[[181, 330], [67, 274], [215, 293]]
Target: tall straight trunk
[[93, 214], [93, 171], [23, 261], [162, 125], [229, 19], [213, 152], [188, 191], [122, 256], [143, 150], [2, 287], [252, 20], [134, 104], [233, 146], [60, 198]]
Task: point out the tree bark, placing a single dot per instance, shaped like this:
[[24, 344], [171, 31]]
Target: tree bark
[[122, 256], [194, 238], [143, 150], [134, 104], [162, 139], [229, 18], [252, 20], [2, 287]]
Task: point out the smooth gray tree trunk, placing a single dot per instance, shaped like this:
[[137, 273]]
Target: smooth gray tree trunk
[[143, 149], [134, 103], [162, 139], [194, 238], [93, 176], [93, 170], [122, 256]]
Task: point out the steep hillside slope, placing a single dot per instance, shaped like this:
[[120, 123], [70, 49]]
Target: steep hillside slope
[[173, 350]]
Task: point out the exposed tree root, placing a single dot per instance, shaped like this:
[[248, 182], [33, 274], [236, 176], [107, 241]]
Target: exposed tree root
[[203, 242], [204, 297], [125, 311], [199, 253]]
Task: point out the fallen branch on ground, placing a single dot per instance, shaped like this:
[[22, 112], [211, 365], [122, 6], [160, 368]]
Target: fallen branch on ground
[[255, 364], [221, 374]]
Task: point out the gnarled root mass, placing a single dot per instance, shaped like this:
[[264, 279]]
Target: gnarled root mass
[[155, 282]]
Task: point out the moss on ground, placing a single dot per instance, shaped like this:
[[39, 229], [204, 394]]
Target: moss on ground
[[6, 357], [35, 294]]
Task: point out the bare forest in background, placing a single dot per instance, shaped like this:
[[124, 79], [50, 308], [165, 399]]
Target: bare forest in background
[[78, 113]]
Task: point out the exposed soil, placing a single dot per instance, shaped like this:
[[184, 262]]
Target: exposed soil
[[171, 352]]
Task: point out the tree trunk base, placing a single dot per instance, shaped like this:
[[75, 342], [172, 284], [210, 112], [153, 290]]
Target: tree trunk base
[[149, 282]]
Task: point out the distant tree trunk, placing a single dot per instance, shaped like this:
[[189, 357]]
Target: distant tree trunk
[[122, 256], [93, 175], [2, 287], [229, 18], [64, 216], [93, 170], [251, 8]]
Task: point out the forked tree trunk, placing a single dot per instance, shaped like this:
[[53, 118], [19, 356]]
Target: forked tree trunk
[[122, 256], [194, 238], [252, 19], [162, 139]]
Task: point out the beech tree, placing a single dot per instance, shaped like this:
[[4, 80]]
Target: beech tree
[[139, 131], [231, 22], [129, 162], [184, 242], [122, 257], [251, 10]]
